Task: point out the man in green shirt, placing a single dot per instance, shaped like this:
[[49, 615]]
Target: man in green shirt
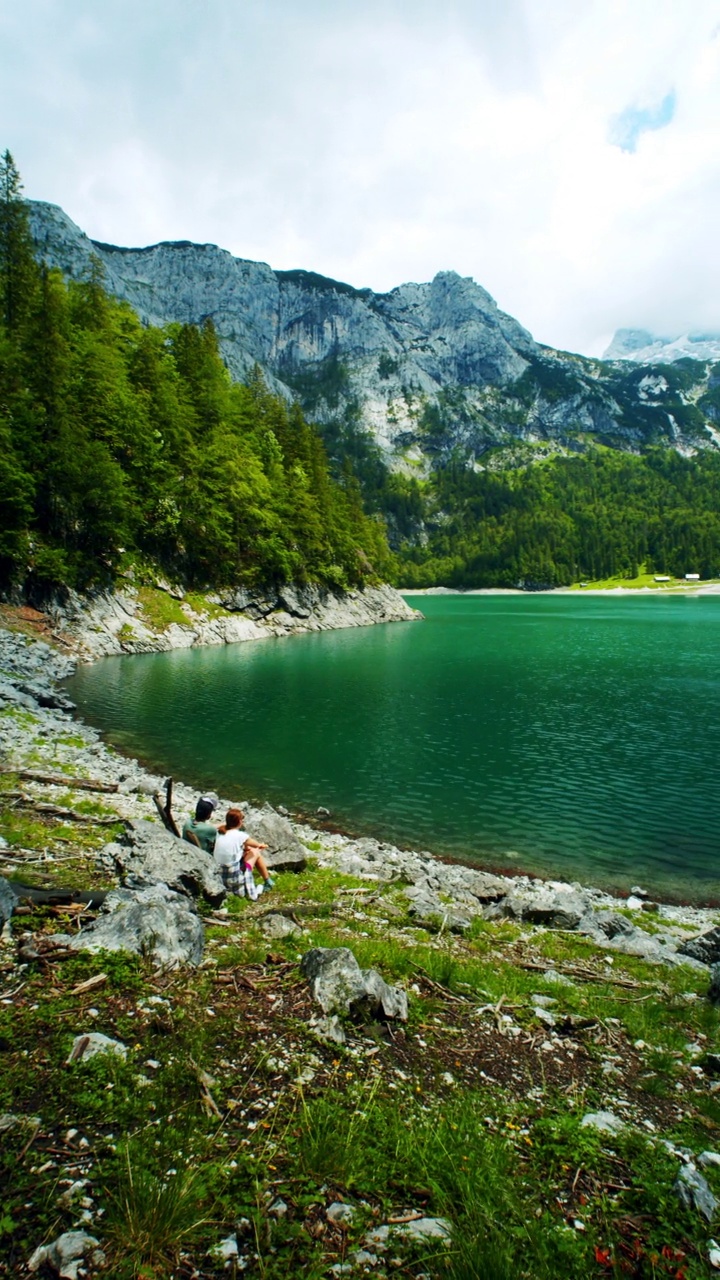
[[199, 826]]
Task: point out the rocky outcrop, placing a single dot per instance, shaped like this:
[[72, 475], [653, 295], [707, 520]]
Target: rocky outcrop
[[116, 622]]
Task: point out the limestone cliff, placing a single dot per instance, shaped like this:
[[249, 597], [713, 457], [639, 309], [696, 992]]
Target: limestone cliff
[[427, 369]]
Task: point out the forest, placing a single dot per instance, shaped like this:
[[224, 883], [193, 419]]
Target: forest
[[123, 444]]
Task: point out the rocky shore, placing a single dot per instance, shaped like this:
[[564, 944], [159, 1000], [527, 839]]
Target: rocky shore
[[452, 895], [138, 618]]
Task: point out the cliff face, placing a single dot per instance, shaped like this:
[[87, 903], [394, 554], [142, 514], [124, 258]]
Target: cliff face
[[427, 369]]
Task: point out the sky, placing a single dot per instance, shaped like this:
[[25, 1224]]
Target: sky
[[563, 153]]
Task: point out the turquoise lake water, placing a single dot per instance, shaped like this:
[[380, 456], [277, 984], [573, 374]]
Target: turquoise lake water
[[566, 735]]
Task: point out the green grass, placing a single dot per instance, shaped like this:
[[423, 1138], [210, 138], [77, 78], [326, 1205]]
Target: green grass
[[159, 610]]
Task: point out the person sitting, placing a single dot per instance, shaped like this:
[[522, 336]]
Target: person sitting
[[199, 830], [237, 855]]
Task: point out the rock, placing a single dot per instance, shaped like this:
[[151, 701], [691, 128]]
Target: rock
[[603, 1122], [284, 851], [67, 1254], [277, 926], [552, 975], [429, 909], [329, 1030], [152, 921], [555, 906], [339, 984], [609, 924], [637, 892], [706, 947], [423, 1229], [714, 988], [709, 1160], [634, 904], [340, 1213], [322, 812], [89, 1044], [693, 1191], [278, 1209], [714, 1254], [154, 855], [545, 1016], [8, 901], [226, 1251]]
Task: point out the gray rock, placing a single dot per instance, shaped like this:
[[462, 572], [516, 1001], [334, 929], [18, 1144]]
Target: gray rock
[[339, 984], [706, 947], [693, 1191], [153, 921], [428, 908], [608, 923], [278, 926], [67, 1254], [339, 1212], [284, 851], [89, 1044], [329, 1030], [556, 907], [545, 1016], [424, 1229], [226, 1251], [603, 1122], [152, 855], [8, 901]]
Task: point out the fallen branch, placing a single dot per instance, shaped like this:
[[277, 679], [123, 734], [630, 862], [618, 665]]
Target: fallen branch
[[586, 975]]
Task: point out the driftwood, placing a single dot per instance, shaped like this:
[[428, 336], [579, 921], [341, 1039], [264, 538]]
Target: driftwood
[[165, 810], [60, 780]]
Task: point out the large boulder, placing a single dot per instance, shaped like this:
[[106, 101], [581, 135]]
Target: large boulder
[[153, 921], [151, 854], [427, 908], [339, 984], [284, 851]]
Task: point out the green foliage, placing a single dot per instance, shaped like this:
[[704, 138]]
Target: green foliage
[[119, 440], [600, 515]]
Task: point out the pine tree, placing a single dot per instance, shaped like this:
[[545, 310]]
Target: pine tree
[[18, 269]]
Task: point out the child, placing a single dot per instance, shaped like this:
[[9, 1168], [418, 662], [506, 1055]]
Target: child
[[236, 854]]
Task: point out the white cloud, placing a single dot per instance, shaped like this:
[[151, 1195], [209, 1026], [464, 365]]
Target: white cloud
[[384, 142]]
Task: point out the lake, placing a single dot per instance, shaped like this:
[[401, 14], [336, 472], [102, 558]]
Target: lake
[[568, 735]]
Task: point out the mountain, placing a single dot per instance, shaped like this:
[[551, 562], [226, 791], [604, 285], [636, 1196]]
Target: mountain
[[643, 347], [425, 373]]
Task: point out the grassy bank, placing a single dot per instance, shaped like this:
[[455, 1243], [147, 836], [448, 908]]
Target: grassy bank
[[227, 1110]]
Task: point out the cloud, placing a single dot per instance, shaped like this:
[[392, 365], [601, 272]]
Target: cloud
[[626, 128], [385, 142]]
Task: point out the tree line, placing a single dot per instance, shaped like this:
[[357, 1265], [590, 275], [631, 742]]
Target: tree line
[[124, 443]]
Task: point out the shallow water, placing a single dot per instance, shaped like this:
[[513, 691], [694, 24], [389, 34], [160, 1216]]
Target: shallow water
[[576, 736]]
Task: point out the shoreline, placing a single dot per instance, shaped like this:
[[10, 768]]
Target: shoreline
[[693, 589], [441, 887]]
